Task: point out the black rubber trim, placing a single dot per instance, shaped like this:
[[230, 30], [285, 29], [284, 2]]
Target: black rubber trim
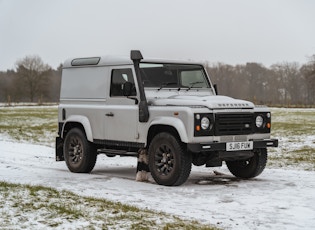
[[119, 143]]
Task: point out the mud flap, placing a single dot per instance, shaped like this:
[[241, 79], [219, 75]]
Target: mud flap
[[59, 149]]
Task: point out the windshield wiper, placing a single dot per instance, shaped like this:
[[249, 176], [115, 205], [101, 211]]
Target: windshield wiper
[[164, 84], [194, 83]]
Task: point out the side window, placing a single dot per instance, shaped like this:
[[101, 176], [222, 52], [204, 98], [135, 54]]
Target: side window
[[118, 79]]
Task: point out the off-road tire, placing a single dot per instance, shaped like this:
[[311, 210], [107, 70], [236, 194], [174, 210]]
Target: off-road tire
[[251, 167], [169, 164], [80, 155]]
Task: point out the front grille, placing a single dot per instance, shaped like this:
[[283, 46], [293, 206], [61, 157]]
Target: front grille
[[234, 124]]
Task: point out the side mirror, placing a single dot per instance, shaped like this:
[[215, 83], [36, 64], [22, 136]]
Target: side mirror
[[127, 89]]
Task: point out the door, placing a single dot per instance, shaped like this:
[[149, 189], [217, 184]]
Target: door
[[121, 113]]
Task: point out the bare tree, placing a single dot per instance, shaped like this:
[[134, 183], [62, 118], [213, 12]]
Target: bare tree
[[53, 92], [32, 76], [289, 82], [221, 74], [281, 84], [308, 71]]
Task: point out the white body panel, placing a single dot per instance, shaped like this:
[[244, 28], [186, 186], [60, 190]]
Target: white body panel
[[85, 98]]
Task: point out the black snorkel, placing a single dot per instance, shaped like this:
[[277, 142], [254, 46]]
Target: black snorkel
[[136, 57]]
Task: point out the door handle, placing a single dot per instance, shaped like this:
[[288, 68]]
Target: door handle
[[109, 114]]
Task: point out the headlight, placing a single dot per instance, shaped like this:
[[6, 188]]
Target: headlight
[[259, 121], [205, 123]]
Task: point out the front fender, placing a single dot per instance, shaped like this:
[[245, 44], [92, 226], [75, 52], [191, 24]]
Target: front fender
[[84, 121], [173, 122]]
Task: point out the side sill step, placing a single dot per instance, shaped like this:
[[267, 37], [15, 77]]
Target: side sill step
[[114, 152]]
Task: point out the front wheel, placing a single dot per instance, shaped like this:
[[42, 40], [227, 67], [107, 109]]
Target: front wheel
[[251, 167], [169, 164], [80, 155]]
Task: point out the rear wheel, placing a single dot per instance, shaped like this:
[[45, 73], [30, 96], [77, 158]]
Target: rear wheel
[[80, 155], [251, 167], [168, 162]]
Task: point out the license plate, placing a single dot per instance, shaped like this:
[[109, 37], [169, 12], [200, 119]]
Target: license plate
[[237, 146]]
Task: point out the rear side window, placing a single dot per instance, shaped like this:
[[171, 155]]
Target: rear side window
[[118, 79]]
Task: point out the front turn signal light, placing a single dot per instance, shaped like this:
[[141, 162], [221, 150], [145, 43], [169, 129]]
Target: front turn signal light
[[268, 125]]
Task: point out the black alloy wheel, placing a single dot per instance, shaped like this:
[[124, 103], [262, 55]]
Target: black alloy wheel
[[169, 164], [80, 155], [251, 167]]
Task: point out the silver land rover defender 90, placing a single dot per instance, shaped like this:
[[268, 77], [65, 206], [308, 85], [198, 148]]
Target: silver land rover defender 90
[[118, 106]]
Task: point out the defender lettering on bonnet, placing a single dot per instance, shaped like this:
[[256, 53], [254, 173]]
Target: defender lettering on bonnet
[[166, 109]]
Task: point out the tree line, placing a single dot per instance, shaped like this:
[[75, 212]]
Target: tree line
[[282, 84], [31, 81]]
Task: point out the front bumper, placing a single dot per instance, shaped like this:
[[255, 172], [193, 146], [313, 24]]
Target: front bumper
[[221, 146]]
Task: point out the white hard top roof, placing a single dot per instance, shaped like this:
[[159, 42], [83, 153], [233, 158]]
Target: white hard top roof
[[114, 61]]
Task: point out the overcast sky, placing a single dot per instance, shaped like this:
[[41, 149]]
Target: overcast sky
[[228, 31]]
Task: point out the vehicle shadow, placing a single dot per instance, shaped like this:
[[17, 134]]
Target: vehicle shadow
[[123, 172], [217, 178]]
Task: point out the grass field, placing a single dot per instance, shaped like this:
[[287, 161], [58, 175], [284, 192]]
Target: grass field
[[293, 127], [36, 125], [295, 130], [34, 206], [39, 207]]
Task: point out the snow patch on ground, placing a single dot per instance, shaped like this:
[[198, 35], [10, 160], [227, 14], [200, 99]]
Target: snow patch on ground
[[277, 199]]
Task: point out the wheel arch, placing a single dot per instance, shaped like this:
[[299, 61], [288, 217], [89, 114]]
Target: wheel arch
[[77, 121], [171, 125]]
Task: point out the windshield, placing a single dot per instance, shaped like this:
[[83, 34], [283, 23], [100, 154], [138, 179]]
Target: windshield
[[173, 76]]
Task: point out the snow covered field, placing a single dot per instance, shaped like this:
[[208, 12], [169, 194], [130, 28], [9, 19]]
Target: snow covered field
[[280, 198]]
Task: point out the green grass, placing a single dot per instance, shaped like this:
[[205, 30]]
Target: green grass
[[296, 133], [26, 206], [294, 128], [293, 122], [48, 208], [34, 124]]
